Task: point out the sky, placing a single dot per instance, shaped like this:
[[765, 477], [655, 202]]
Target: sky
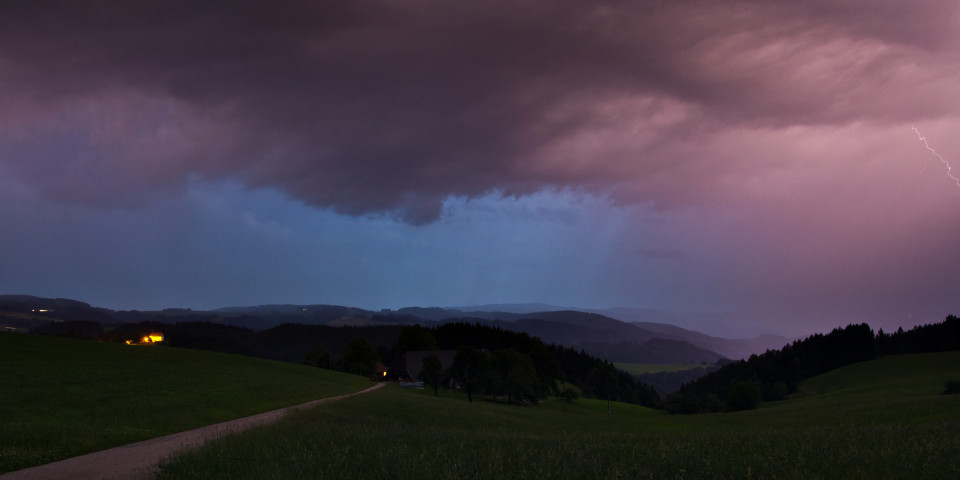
[[761, 158]]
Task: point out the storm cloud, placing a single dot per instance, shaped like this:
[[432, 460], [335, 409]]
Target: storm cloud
[[380, 106], [786, 122]]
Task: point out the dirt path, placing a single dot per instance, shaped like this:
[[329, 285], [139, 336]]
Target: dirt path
[[139, 460]]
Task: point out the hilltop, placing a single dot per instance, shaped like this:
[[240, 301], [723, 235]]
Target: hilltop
[[610, 338]]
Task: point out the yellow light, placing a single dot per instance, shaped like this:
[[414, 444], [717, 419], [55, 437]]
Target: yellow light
[[151, 338], [384, 374]]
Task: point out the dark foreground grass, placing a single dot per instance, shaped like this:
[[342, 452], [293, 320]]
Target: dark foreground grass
[[847, 429], [63, 397]]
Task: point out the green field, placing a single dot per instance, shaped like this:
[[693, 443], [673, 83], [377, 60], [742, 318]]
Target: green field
[[62, 397], [642, 368], [880, 419]]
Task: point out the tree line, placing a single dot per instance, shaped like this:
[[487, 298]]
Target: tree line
[[777, 373], [507, 366], [518, 368]]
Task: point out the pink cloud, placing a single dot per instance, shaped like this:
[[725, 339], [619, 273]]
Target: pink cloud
[[382, 107]]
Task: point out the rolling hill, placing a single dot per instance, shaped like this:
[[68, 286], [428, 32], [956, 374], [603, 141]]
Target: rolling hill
[[659, 323], [876, 419], [600, 335]]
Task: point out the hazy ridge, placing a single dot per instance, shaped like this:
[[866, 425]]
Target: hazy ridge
[[598, 334]]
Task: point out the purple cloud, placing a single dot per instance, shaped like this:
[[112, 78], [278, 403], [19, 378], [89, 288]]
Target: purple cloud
[[760, 139], [386, 107]]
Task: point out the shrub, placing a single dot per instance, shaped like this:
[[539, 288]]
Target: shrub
[[744, 395], [952, 387], [712, 403], [779, 391], [683, 403]]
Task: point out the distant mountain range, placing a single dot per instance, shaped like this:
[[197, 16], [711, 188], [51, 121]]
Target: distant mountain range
[[725, 324], [593, 331], [602, 330]]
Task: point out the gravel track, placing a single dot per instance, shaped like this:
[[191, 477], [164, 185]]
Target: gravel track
[[140, 460]]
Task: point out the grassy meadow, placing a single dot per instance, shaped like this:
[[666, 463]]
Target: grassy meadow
[[62, 397], [879, 419]]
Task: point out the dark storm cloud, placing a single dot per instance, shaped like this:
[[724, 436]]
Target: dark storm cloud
[[394, 106], [701, 155]]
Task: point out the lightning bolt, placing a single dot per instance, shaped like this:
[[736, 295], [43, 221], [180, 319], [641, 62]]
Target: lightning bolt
[[935, 154]]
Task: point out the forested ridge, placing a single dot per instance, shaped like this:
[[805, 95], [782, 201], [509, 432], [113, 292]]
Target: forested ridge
[[554, 365], [777, 373], [536, 369]]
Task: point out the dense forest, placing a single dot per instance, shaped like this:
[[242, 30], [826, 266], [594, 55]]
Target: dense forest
[[777, 373], [556, 367]]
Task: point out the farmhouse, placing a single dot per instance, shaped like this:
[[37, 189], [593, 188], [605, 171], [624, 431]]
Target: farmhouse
[[380, 369], [408, 366], [153, 337]]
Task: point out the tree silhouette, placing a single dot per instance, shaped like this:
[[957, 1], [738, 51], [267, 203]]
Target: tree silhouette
[[358, 357], [431, 372], [414, 337], [568, 392], [603, 378], [468, 371], [319, 357], [513, 375], [744, 395]]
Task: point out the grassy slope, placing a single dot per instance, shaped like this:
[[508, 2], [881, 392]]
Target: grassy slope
[[894, 389], [881, 419], [64, 397]]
